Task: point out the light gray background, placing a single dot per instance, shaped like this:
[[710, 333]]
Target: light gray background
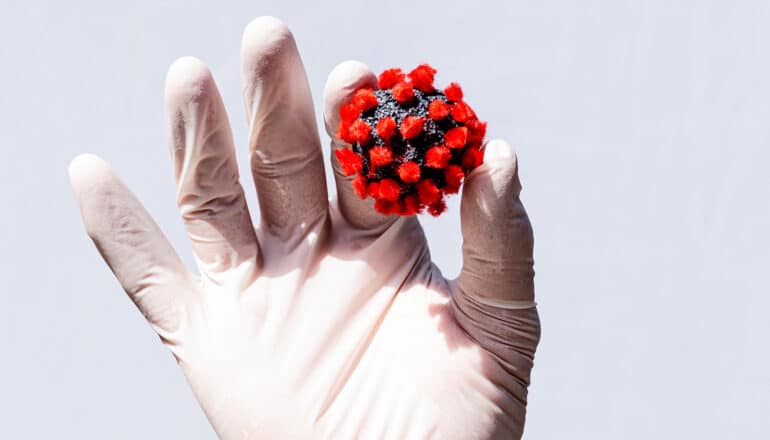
[[642, 130]]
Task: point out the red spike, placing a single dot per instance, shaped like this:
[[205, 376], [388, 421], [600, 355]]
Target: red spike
[[390, 77], [389, 190], [461, 111], [453, 92], [428, 191], [403, 92], [422, 77], [360, 131], [364, 99], [437, 157], [438, 109], [456, 137], [386, 128], [350, 162], [409, 172], [380, 156], [349, 112], [383, 206], [436, 208], [477, 130], [472, 158], [373, 189], [359, 186], [343, 133], [411, 126], [411, 205], [453, 174]]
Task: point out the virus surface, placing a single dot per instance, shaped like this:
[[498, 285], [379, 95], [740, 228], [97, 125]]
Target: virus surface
[[411, 144]]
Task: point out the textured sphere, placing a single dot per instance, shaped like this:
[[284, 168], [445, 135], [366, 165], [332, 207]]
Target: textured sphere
[[411, 144]]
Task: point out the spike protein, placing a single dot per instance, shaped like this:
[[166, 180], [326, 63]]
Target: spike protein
[[411, 144]]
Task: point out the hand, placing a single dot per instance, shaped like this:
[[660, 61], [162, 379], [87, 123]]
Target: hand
[[328, 320]]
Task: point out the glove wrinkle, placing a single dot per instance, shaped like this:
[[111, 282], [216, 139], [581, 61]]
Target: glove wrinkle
[[511, 335]]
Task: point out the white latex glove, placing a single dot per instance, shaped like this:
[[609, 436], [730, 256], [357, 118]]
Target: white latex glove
[[329, 320]]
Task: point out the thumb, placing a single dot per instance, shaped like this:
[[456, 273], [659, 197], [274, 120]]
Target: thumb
[[497, 234]]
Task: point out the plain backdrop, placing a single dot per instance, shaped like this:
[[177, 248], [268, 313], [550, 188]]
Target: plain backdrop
[[643, 132]]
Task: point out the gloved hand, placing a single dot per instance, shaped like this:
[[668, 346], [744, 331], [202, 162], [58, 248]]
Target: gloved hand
[[328, 320]]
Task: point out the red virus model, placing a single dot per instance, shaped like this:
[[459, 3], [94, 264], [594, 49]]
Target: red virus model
[[411, 144]]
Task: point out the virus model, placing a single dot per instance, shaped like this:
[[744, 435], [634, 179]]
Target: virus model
[[411, 144]]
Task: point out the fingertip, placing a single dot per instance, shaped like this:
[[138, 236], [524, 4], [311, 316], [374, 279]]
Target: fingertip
[[265, 45], [500, 160], [498, 150], [343, 80], [187, 79], [194, 110], [500, 166], [187, 68], [87, 169], [348, 72], [264, 32], [271, 67], [491, 185]]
